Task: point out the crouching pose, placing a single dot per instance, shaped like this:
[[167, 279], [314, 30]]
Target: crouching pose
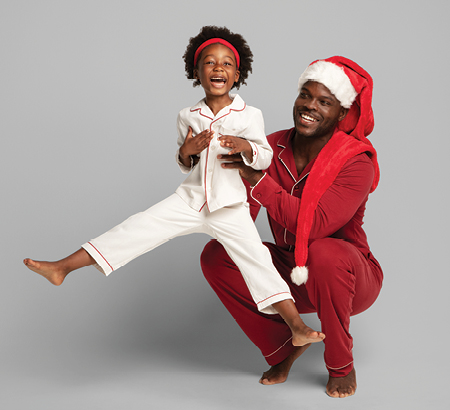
[[315, 192]]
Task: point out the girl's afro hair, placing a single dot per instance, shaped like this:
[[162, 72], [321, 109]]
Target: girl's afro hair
[[238, 42]]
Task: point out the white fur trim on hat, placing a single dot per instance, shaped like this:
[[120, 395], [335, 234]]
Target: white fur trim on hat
[[299, 275], [333, 77]]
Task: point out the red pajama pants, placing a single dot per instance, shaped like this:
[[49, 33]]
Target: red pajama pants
[[341, 283]]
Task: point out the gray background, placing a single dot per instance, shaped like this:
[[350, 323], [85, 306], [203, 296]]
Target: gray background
[[89, 93]]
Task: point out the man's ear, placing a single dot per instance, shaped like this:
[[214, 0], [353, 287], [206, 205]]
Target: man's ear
[[196, 74], [343, 113]]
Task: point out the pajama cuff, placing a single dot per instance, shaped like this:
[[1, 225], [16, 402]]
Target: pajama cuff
[[101, 263], [184, 168], [341, 371], [255, 155], [265, 306]]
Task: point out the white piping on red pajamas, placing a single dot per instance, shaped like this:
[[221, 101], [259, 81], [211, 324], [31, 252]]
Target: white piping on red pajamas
[[337, 368], [284, 344]]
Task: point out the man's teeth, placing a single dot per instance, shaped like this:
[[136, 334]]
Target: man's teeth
[[307, 117], [218, 79]]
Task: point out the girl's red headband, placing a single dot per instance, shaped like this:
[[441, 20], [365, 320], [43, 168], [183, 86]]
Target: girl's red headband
[[214, 41]]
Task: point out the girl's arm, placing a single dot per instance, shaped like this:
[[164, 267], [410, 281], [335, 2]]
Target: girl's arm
[[252, 144], [189, 145], [256, 136]]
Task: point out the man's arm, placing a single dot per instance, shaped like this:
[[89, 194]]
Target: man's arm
[[344, 197], [336, 207]]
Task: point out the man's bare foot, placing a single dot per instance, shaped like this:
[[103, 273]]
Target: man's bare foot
[[280, 372], [341, 387], [304, 334], [52, 271]]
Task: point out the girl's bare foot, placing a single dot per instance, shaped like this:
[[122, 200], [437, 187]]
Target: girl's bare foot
[[280, 372], [52, 271], [56, 272], [341, 387], [302, 335]]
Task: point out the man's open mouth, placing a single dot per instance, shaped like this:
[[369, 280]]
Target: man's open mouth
[[308, 118]]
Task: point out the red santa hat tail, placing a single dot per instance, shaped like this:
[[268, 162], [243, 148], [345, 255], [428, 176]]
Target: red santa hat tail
[[352, 86]]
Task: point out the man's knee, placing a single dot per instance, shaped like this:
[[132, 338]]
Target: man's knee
[[213, 255], [326, 256]]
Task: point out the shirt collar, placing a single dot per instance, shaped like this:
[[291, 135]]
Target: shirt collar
[[286, 156], [238, 104]]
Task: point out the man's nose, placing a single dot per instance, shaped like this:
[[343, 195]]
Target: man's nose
[[311, 104]]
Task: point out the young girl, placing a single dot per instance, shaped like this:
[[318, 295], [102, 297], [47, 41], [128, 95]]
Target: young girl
[[212, 199]]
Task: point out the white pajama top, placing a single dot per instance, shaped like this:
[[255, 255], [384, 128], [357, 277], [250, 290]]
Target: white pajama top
[[209, 184]]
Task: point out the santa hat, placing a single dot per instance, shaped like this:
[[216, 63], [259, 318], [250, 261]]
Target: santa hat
[[352, 86]]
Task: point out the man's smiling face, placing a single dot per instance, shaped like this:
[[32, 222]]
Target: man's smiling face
[[317, 111]]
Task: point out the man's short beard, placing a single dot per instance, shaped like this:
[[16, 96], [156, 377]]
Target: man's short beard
[[319, 132]]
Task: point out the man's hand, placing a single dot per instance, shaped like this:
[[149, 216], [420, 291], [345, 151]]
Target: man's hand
[[194, 145], [237, 146], [246, 172]]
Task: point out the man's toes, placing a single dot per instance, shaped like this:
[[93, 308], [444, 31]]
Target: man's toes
[[333, 393], [265, 381]]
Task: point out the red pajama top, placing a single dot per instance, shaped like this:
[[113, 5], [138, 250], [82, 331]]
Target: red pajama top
[[340, 211]]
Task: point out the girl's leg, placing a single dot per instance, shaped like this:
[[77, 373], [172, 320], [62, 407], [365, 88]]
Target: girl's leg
[[57, 271], [269, 333], [138, 234], [143, 232], [234, 228]]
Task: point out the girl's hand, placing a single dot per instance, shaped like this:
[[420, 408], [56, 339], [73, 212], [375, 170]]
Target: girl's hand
[[237, 146], [194, 145]]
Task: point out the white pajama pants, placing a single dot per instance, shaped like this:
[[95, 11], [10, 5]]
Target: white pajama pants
[[232, 226]]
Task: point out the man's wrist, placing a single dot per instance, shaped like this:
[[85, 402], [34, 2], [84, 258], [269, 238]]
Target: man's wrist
[[255, 178]]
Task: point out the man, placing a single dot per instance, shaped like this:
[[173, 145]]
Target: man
[[315, 193]]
